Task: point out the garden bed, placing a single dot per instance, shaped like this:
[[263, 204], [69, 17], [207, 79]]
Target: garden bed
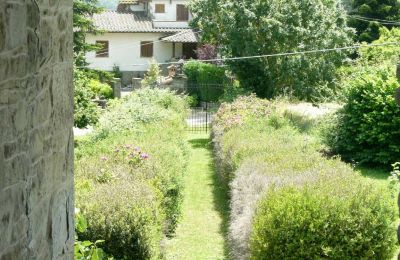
[[129, 174], [287, 200]]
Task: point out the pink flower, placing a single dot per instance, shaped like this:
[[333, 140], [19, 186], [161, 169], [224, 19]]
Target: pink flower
[[103, 158], [144, 156]]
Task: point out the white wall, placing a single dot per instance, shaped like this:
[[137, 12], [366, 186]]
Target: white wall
[[124, 50], [168, 19], [138, 7]]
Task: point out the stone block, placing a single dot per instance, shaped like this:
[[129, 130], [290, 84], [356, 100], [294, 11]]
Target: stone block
[[36, 111]]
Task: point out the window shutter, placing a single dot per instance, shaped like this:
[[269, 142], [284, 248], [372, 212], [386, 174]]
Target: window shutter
[[146, 49], [160, 8], [103, 51], [182, 13]]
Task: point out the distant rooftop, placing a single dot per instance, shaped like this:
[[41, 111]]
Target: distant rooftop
[[184, 36], [113, 21]]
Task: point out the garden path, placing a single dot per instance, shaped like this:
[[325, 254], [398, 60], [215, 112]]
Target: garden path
[[201, 231]]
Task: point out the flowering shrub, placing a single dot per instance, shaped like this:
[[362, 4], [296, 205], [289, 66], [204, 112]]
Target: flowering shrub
[[129, 174], [143, 106], [287, 201], [236, 113]]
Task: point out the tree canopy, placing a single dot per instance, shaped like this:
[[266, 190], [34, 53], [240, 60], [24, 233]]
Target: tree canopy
[[248, 28], [83, 10], [362, 11]]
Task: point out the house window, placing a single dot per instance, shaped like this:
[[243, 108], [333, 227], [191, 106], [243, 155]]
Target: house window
[[146, 49], [160, 8], [182, 13], [103, 51]]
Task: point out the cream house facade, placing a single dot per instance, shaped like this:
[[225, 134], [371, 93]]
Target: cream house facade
[[141, 30]]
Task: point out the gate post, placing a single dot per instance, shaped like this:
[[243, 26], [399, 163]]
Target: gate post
[[117, 88]]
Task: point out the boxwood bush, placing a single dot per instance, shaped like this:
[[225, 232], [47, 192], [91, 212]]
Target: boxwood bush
[[260, 153], [129, 174], [367, 129], [335, 218]]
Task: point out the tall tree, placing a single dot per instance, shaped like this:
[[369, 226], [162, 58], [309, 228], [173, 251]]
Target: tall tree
[[83, 11], [363, 12], [259, 27]]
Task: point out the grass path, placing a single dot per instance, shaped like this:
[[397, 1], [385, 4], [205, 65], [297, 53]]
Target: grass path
[[201, 231]]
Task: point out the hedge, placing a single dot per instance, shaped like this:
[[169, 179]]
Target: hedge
[[205, 81], [366, 129], [336, 218], [129, 173], [267, 162]]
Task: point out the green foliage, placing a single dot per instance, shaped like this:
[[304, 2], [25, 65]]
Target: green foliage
[[233, 91], [367, 31], [129, 173], [206, 81], [151, 79], [238, 112], [367, 128], [354, 220], [395, 174], [101, 90], [248, 28], [306, 199], [127, 217], [83, 24], [117, 72], [143, 106], [382, 54], [85, 111], [86, 250]]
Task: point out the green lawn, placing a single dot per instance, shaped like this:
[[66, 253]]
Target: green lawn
[[201, 231], [376, 174]]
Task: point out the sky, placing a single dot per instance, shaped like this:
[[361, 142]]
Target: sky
[[108, 4]]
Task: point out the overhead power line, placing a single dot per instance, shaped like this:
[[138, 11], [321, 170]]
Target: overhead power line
[[295, 53], [368, 19]]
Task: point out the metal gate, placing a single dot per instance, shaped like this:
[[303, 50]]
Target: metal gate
[[200, 119], [206, 105]]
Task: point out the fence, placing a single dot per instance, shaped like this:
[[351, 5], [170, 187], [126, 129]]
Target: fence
[[205, 103]]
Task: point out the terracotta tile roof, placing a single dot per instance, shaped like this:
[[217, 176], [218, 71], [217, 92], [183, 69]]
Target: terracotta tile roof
[[113, 21], [132, 1], [128, 1], [183, 36]]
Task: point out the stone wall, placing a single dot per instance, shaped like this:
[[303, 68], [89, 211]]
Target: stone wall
[[36, 141]]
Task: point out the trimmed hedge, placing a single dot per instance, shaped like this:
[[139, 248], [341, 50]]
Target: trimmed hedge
[[130, 172], [336, 218], [205, 81], [261, 155]]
